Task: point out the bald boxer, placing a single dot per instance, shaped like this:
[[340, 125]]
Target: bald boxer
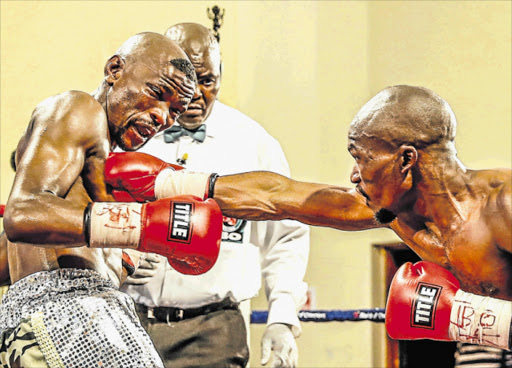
[[408, 178], [64, 307]]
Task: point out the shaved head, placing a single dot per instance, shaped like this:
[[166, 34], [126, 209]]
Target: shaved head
[[148, 83], [155, 51], [409, 115]]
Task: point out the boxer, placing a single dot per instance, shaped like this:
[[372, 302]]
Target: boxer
[[408, 178], [65, 230]]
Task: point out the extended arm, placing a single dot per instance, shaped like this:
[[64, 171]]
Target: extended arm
[[263, 195], [257, 195]]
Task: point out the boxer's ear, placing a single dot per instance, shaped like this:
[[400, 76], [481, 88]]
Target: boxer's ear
[[408, 158], [113, 69]]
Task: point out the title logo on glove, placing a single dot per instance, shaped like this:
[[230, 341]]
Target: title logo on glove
[[424, 305], [179, 226]]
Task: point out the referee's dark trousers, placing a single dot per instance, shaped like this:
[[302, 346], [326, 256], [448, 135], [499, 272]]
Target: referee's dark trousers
[[210, 336]]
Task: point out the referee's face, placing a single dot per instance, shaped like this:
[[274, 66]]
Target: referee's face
[[208, 70]]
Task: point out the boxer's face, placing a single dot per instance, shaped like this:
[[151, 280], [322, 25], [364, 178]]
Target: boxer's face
[[375, 174], [208, 72], [145, 100]]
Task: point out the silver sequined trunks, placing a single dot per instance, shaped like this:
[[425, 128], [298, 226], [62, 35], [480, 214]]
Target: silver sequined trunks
[[79, 319]]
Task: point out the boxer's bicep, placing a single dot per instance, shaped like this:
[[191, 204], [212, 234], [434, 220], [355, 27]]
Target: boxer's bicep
[[336, 207], [94, 178], [48, 165]]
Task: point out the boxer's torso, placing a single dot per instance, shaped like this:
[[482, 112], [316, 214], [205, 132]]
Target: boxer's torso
[[25, 259]]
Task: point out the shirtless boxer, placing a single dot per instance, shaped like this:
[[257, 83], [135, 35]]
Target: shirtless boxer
[[64, 308], [408, 178]]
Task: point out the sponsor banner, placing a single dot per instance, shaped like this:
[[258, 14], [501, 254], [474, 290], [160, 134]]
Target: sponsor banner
[[233, 229]]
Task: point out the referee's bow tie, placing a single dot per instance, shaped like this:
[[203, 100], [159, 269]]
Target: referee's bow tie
[[176, 131]]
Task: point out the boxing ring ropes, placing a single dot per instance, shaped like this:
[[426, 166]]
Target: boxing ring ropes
[[354, 315]]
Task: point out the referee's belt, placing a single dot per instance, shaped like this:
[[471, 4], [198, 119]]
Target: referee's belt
[[170, 314]]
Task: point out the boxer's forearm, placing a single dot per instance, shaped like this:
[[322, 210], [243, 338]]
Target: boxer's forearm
[[45, 221], [264, 195], [254, 195]]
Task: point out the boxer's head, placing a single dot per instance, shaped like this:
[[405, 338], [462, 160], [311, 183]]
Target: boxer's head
[[203, 51], [387, 137], [150, 82]]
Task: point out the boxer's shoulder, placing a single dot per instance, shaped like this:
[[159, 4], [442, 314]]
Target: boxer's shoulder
[[496, 207], [490, 183], [503, 201], [70, 101], [74, 112], [499, 184]]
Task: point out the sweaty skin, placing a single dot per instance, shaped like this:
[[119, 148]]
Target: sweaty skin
[[458, 218], [61, 156], [4, 265]]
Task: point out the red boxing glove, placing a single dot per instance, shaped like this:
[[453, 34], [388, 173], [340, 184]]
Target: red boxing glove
[[193, 232], [132, 175], [2, 209], [184, 229], [425, 302], [420, 301]]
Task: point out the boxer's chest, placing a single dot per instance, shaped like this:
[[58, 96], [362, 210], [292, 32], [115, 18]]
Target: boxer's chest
[[470, 253], [479, 264]]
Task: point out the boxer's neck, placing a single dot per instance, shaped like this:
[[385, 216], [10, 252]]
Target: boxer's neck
[[100, 95], [442, 186]]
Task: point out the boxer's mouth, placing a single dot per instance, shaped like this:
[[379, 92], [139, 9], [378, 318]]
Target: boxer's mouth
[[145, 130]]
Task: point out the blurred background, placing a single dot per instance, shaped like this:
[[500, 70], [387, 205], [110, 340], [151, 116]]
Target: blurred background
[[302, 69]]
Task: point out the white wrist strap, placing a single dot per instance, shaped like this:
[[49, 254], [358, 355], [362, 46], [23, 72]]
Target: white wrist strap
[[115, 225], [170, 183], [480, 320]]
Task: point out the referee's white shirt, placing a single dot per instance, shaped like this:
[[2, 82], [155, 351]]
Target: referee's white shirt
[[275, 251]]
